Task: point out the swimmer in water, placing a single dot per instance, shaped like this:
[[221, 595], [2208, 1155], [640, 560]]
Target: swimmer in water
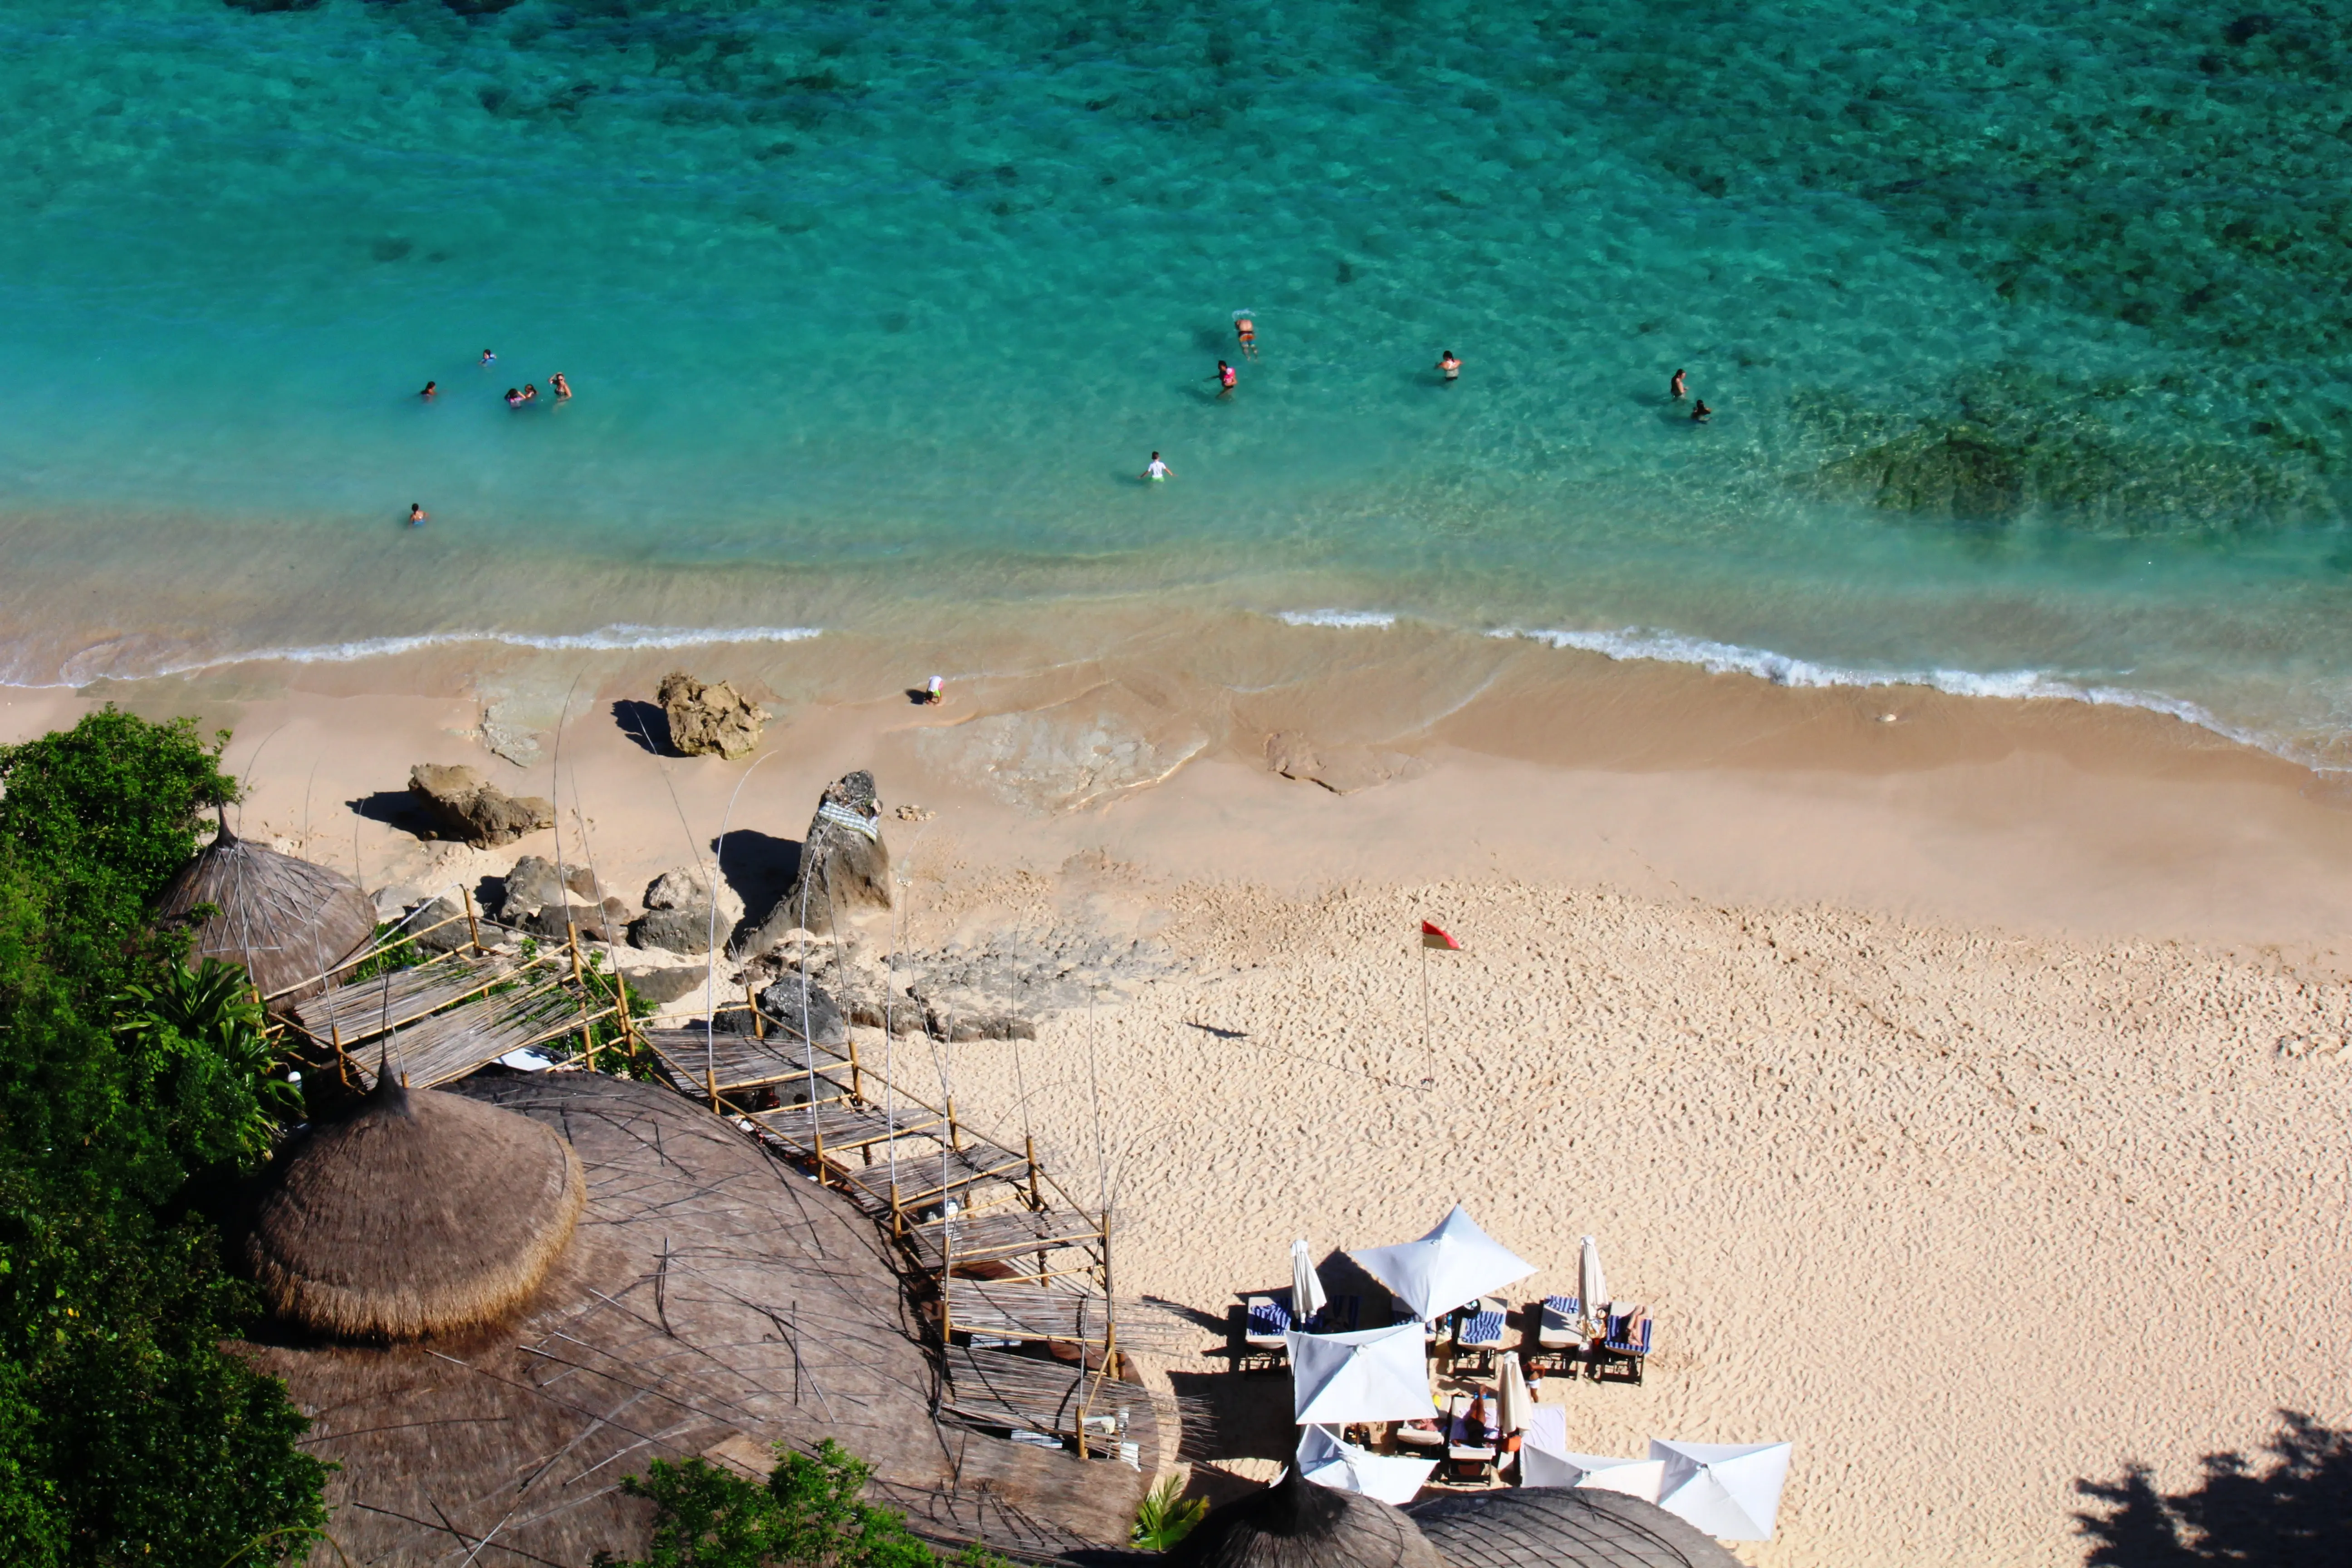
[[1157, 470], [490, 358], [416, 514], [431, 387], [1226, 379], [1449, 364], [531, 391], [1674, 387], [562, 387], [1699, 411], [1246, 331], [514, 398]]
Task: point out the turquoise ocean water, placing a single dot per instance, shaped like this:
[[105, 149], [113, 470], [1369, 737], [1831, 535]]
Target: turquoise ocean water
[[2027, 326]]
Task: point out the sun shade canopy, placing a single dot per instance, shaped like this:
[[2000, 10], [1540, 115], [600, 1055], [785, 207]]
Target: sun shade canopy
[[1371, 1375], [1455, 1263]]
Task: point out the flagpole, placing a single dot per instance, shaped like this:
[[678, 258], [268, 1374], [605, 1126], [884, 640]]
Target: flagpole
[[1428, 1050]]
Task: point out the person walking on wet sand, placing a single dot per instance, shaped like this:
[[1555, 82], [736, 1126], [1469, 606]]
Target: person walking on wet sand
[[1674, 387], [1451, 366]]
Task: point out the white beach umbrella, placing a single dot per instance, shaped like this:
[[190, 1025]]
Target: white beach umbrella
[[1731, 1490], [1457, 1262], [1592, 1289], [1598, 1472], [1512, 1400], [1307, 1295], [1372, 1375], [1343, 1467]]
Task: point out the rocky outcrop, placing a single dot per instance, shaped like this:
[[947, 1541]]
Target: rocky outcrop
[[678, 916], [540, 901], [460, 803], [781, 1004], [845, 867], [662, 986], [713, 720]]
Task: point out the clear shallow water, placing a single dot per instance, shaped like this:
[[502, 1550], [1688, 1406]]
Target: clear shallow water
[[2026, 326]]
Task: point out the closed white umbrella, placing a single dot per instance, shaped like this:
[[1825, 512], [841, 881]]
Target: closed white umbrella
[[1343, 1467], [1512, 1400], [1307, 1295], [1731, 1490], [1597, 1472], [1372, 1375], [1457, 1262], [1592, 1289]]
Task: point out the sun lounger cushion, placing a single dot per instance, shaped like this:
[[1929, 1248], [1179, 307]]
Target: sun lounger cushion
[[1486, 1329], [1269, 1319]]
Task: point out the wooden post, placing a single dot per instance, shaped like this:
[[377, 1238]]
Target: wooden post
[[1029, 1152], [759, 1024], [472, 925], [947, 1268], [856, 1073], [898, 1218], [587, 1033], [628, 1024], [711, 1083], [819, 1135], [955, 1135]]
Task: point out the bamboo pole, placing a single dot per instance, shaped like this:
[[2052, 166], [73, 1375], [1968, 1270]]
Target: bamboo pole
[[856, 1073], [759, 1020], [587, 1033], [473, 926], [955, 1134], [898, 1216], [817, 1137]]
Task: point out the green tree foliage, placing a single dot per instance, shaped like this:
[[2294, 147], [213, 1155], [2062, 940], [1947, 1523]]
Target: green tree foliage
[[126, 1084], [811, 1514]]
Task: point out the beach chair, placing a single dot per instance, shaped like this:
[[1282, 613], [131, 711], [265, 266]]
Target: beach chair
[[1401, 1311], [1469, 1445], [1628, 1344], [1560, 1341], [1478, 1332], [1421, 1437], [1338, 1317], [1265, 1320]]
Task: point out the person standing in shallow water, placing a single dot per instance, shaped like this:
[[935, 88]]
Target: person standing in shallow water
[[415, 514], [1674, 387], [1449, 365], [1155, 470], [1700, 412], [1226, 379]]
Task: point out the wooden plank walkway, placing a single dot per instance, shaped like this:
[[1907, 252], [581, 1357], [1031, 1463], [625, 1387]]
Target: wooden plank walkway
[[350, 1015], [449, 1045], [740, 1062], [1002, 1309], [1004, 1234]]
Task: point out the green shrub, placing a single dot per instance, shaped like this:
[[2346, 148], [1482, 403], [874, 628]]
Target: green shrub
[[809, 1515], [1166, 1515]]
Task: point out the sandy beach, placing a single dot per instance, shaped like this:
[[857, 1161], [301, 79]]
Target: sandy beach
[[1959, 1082]]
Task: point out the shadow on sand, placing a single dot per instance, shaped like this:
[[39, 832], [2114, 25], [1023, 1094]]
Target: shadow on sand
[[2291, 1509]]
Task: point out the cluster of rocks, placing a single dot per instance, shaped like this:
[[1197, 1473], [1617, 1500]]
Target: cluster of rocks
[[709, 720], [460, 802], [843, 870]]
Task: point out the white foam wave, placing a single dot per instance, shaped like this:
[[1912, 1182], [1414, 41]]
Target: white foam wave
[[1783, 670], [1336, 618], [622, 638]]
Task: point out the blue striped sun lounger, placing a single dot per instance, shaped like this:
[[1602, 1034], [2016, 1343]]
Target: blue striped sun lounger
[[1620, 1351], [1263, 1323]]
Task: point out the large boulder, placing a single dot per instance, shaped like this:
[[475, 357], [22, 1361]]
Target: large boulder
[[679, 917], [460, 803], [845, 867], [707, 720]]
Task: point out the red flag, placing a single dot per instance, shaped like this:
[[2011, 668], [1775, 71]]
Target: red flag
[[1435, 936]]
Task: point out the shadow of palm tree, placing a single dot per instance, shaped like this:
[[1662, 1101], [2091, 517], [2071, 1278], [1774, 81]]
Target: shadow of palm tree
[[2286, 1512]]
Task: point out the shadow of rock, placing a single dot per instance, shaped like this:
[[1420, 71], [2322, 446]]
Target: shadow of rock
[[2284, 1514], [645, 723], [394, 808], [758, 866]]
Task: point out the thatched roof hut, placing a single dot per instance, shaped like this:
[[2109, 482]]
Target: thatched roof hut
[[1561, 1526], [286, 920], [1297, 1524], [712, 1301], [414, 1214]]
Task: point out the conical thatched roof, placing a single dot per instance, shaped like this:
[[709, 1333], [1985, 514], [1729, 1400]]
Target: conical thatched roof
[[1295, 1524], [286, 920], [417, 1214], [1563, 1527]]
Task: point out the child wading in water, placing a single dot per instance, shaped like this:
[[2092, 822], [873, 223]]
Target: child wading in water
[[1449, 364], [1155, 470]]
